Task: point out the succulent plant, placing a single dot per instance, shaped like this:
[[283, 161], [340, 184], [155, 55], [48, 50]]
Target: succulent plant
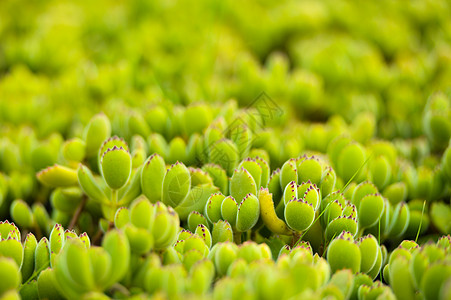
[[436, 120], [147, 226], [286, 160], [344, 253], [97, 268], [413, 269]]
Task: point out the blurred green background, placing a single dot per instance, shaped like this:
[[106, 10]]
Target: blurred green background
[[63, 61]]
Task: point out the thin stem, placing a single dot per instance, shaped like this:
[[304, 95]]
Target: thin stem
[[248, 235], [24, 234], [120, 288], [37, 230], [97, 237], [114, 194], [35, 273], [237, 237], [360, 232], [356, 172], [77, 213], [421, 221], [296, 238]]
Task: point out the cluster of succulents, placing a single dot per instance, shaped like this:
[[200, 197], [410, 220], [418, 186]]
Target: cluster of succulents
[[322, 224], [290, 149]]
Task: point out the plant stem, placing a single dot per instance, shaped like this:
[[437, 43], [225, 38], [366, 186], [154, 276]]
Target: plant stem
[[35, 273], [421, 221], [296, 237], [97, 237], [248, 235], [360, 232], [37, 230], [237, 237], [114, 196], [120, 288], [77, 213], [24, 234]]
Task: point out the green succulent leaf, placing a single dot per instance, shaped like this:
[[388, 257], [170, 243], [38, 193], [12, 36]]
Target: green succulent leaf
[[97, 130], [176, 185], [218, 175], [213, 207], [9, 274], [196, 200], [29, 248], [89, 185], [194, 219], [370, 210], [222, 232], [248, 213], [299, 214], [58, 176], [254, 168], [241, 184], [225, 254], [224, 153], [117, 246], [288, 173], [21, 213], [309, 168], [74, 150], [116, 167], [229, 210], [344, 253]]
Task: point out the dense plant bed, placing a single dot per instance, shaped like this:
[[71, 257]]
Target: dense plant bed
[[298, 150]]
